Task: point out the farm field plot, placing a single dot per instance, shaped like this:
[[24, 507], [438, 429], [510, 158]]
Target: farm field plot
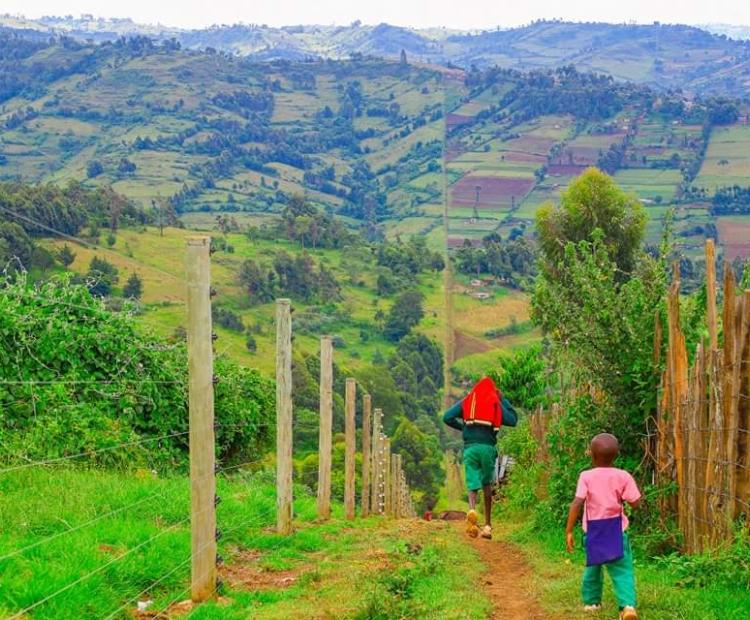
[[727, 160], [650, 184], [475, 317], [659, 140], [734, 235], [547, 191], [488, 192], [584, 150]]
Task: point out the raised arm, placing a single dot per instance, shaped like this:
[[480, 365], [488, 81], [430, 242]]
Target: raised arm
[[510, 417], [454, 416]]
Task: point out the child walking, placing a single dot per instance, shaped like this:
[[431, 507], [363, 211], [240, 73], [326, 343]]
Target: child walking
[[601, 492]]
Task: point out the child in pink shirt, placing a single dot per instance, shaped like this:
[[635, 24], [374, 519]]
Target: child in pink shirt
[[601, 492]]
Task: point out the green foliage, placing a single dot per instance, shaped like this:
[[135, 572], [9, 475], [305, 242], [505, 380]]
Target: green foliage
[[102, 276], [513, 261], [16, 248], [66, 256], [604, 329], [422, 461], [592, 201], [405, 313], [133, 288], [727, 567], [521, 377], [294, 276], [82, 379]]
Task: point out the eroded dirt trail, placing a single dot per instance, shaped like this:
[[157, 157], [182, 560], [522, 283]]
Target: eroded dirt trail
[[508, 580]]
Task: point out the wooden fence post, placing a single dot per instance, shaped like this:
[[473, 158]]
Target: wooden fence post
[[284, 416], [711, 294], [397, 488], [366, 454], [201, 405], [395, 477], [326, 427], [377, 470], [350, 434], [387, 509]]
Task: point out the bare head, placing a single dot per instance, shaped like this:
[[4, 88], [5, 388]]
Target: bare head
[[604, 449]]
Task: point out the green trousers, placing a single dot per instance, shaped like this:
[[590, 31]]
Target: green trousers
[[622, 575]]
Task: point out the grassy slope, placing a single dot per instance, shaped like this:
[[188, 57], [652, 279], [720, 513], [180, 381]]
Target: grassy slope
[[159, 262], [339, 569]]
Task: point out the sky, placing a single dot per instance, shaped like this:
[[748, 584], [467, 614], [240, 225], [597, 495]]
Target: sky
[[463, 14]]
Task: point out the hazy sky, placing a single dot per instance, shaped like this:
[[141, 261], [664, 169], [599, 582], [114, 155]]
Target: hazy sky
[[451, 13]]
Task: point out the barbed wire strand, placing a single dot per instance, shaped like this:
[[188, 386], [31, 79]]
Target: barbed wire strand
[[97, 570], [80, 527]]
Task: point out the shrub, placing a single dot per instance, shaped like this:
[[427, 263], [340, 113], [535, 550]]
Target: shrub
[[101, 382]]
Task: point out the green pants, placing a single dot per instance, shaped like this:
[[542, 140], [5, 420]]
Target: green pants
[[622, 575], [479, 465]]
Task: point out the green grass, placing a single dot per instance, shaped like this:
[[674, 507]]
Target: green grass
[[98, 523]]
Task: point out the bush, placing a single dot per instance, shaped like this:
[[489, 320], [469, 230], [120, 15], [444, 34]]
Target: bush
[[101, 382]]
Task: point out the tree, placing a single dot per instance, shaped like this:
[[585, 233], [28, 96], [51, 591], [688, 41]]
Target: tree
[[133, 288], [66, 256], [16, 247], [405, 313], [102, 276], [94, 168], [592, 201]]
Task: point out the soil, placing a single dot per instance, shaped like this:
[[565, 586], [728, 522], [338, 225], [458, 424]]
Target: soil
[[509, 580]]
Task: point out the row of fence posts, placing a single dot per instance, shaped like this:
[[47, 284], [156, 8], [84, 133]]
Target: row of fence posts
[[385, 490]]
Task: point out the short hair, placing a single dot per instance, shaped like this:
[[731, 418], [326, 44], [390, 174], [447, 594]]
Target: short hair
[[605, 448]]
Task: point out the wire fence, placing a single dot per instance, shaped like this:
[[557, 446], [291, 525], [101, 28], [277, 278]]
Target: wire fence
[[161, 507]]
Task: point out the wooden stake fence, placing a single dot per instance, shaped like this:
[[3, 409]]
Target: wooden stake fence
[[703, 421], [201, 406], [376, 458]]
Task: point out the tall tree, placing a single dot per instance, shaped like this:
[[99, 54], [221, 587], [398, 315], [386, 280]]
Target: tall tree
[[593, 201]]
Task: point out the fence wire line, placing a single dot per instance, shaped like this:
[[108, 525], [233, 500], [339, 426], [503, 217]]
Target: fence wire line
[[80, 527], [184, 592], [98, 570], [254, 520], [92, 452]]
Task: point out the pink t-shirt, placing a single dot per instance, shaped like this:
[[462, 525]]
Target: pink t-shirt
[[604, 489]]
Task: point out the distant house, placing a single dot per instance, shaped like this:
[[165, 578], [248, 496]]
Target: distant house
[[476, 283], [481, 296]]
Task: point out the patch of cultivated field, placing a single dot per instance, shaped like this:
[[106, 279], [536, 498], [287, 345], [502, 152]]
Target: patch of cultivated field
[[489, 192], [727, 160], [584, 150], [650, 184], [734, 235], [476, 317]]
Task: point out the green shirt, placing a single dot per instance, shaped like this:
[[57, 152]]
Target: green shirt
[[477, 433]]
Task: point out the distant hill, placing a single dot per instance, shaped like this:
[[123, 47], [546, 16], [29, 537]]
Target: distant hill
[[660, 55]]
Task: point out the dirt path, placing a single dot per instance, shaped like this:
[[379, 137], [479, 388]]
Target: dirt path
[[509, 580]]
